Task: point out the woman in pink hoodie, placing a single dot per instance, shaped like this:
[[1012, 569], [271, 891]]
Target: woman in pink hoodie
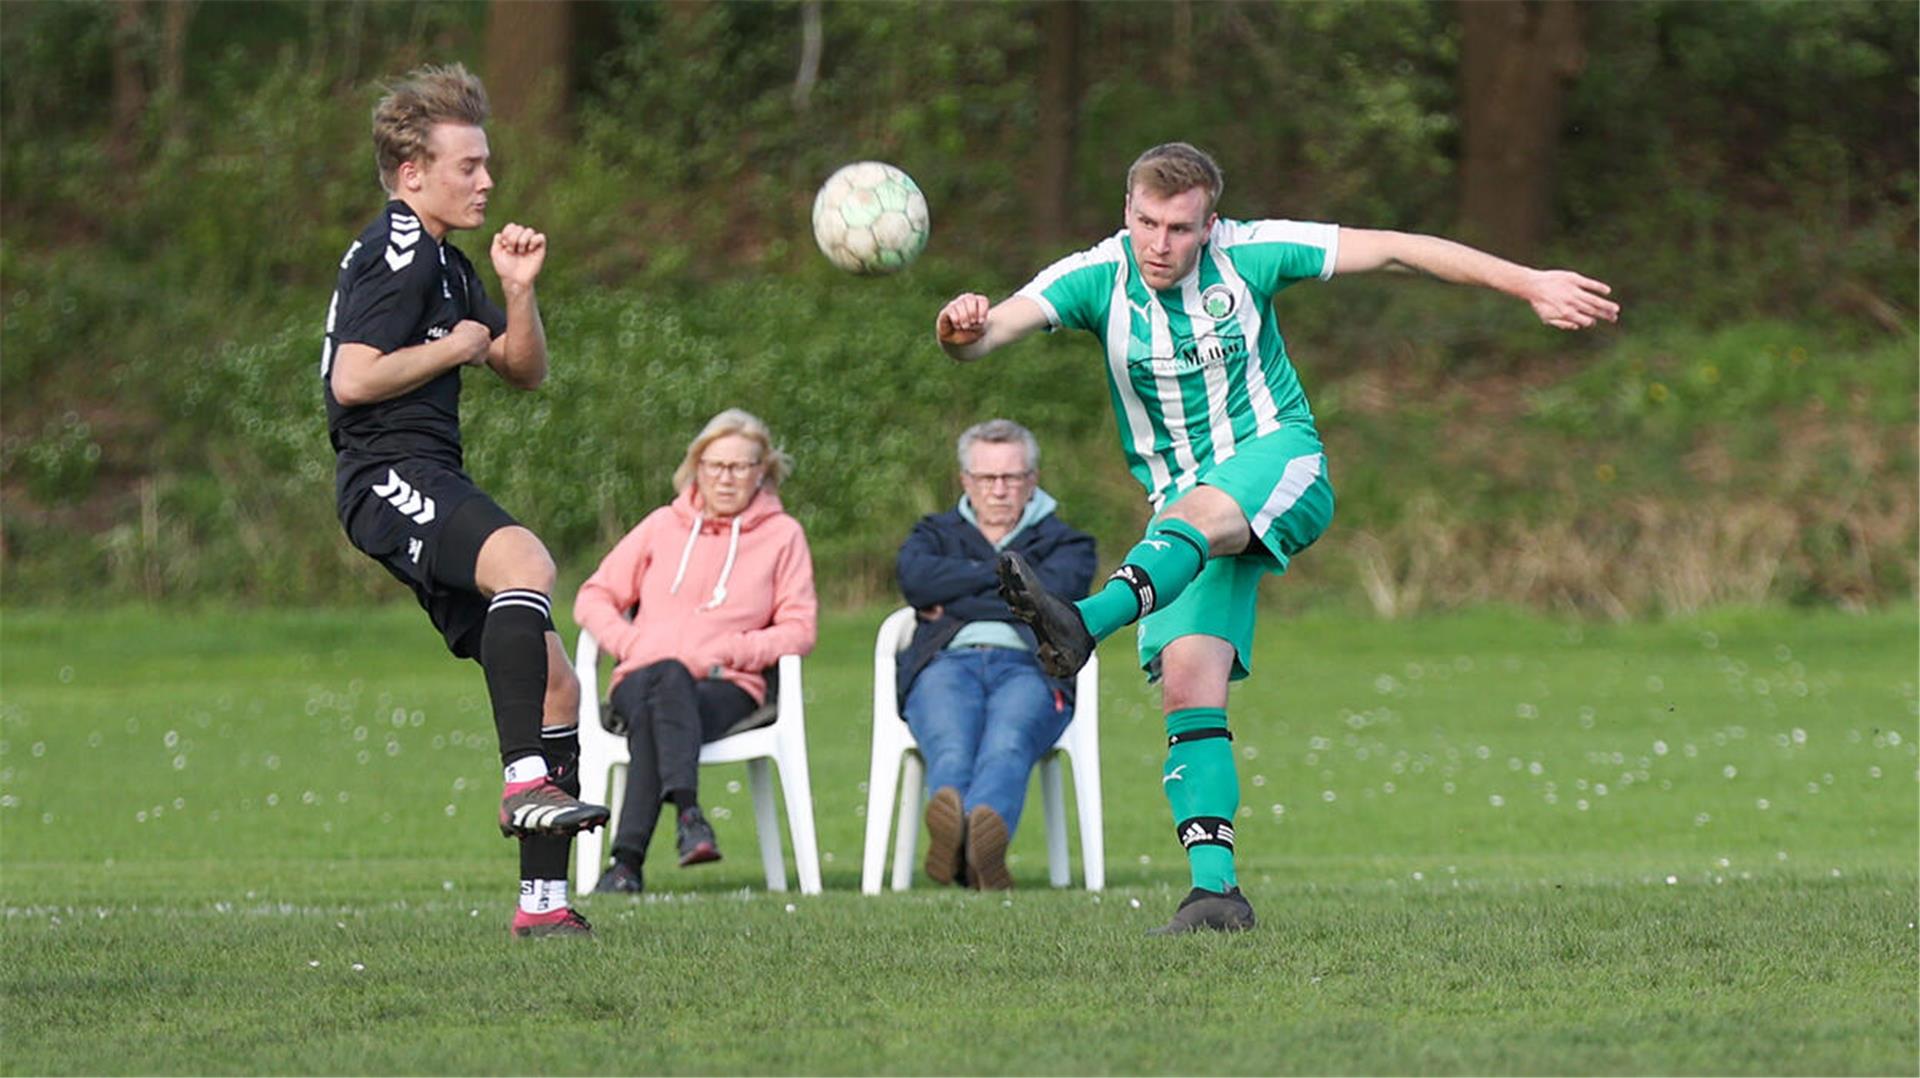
[[695, 604]]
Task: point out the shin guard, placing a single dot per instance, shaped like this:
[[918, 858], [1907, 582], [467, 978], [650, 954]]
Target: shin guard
[[1204, 793], [514, 655]]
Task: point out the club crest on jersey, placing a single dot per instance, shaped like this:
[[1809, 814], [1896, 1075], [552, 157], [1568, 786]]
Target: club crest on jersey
[[1217, 301]]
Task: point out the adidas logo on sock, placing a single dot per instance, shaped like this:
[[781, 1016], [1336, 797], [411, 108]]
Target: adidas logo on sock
[[1206, 830], [1136, 578]]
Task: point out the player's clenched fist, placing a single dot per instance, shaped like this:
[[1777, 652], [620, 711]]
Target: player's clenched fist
[[963, 320], [473, 339], [518, 254]]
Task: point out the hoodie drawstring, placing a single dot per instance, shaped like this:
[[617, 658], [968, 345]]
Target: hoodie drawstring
[[686, 553], [726, 569]]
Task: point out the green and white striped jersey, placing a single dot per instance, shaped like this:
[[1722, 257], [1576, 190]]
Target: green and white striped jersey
[[1198, 368]]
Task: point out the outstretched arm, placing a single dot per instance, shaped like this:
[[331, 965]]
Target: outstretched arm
[[969, 326], [520, 354], [1563, 299]]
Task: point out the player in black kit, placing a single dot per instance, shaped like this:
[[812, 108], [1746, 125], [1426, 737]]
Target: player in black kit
[[408, 314]]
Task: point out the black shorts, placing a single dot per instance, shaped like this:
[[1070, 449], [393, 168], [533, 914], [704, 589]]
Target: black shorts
[[425, 523]]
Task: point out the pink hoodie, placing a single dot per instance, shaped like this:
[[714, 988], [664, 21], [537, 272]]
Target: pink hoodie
[[726, 597]]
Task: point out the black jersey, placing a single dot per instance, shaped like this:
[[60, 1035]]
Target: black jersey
[[398, 287]]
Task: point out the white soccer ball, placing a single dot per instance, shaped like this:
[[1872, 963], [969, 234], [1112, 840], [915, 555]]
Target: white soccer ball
[[870, 218]]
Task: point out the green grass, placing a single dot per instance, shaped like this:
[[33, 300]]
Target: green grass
[[1489, 843]]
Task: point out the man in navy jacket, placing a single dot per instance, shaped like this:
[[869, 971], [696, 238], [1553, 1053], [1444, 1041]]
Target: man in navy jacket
[[971, 690]]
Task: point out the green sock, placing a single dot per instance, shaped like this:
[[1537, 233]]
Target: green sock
[[1154, 573], [1204, 792]]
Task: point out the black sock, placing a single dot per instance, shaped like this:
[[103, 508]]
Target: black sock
[[683, 800], [545, 857], [514, 654]]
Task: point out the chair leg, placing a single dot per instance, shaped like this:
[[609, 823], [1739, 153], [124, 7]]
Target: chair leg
[[590, 846], [883, 780], [906, 842], [1059, 868], [766, 820], [1093, 840], [798, 788]]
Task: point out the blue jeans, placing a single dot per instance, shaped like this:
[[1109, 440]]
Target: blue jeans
[[983, 718]]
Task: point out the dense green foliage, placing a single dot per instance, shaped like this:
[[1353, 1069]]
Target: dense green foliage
[[1481, 844], [1743, 174]]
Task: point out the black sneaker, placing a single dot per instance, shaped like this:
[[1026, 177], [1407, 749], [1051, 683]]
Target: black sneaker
[[621, 879], [1065, 643], [697, 844], [559, 923], [1222, 912], [946, 836], [546, 809]]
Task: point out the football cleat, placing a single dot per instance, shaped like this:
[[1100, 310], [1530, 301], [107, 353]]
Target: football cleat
[[541, 808], [1065, 643], [1227, 911], [565, 921]]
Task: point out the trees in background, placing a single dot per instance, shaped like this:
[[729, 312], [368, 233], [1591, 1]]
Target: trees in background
[[1517, 58], [177, 186]]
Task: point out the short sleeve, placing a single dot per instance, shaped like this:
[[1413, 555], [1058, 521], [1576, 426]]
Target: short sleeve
[[1270, 255], [390, 294], [484, 310], [1076, 291]]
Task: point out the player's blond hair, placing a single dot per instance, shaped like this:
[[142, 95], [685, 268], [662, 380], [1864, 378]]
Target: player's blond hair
[[1175, 167], [747, 425], [404, 119]]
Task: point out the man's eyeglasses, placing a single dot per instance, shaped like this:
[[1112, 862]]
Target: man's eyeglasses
[[994, 479], [738, 469]]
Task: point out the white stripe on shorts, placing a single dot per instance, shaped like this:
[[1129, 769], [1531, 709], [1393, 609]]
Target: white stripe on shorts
[[1299, 475]]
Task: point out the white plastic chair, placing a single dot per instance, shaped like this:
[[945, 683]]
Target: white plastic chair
[[603, 773], [898, 769]]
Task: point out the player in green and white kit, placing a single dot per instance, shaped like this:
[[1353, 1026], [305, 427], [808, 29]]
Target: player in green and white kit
[[1215, 426]]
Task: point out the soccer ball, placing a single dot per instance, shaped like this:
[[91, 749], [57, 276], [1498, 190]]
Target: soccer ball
[[870, 218]]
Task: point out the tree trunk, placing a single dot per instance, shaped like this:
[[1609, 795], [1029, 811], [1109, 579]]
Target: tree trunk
[[173, 64], [129, 81], [1516, 59], [1059, 116], [529, 71], [810, 43]]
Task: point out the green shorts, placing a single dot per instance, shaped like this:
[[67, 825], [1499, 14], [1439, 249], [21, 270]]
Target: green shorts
[[1280, 482]]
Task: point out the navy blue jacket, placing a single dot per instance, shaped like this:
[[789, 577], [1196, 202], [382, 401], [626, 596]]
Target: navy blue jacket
[[946, 562]]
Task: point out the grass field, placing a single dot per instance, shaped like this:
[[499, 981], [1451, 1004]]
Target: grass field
[[1480, 844]]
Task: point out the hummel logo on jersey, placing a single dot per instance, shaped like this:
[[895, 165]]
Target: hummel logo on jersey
[[400, 494], [1157, 544], [403, 232], [413, 550], [1174, 775]]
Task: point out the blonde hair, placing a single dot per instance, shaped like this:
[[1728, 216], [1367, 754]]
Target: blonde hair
[[1176, 167], [404, 119], [747, 425]]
